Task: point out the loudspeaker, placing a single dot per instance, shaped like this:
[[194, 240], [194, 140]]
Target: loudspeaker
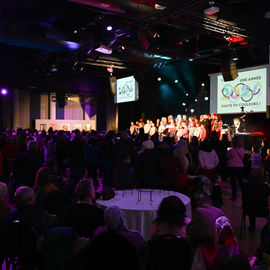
[[229, 70]]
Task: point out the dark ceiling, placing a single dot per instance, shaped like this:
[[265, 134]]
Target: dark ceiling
[[43, 35]]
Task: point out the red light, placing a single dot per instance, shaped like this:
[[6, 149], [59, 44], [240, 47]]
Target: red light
[[234, 39]]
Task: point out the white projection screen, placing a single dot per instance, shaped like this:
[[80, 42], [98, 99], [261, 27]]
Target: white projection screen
[[126, 90], [248, 92]]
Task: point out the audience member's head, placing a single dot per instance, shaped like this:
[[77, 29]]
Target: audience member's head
[[172, 211], [32, 145], [255, 149], [85, 189], [3, 191], [237, 142], [43, 176], [24, 195], [114, 218], [206, 146], [231, 257]]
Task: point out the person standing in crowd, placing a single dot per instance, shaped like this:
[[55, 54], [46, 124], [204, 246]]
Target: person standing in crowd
[[256, 160], [235, 163], [147, 127]]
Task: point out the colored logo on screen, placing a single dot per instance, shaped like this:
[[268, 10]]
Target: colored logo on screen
[[241, 91]]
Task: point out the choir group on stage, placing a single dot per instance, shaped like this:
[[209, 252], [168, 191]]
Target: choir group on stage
[[180, 127]]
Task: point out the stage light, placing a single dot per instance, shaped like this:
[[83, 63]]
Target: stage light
[[183, 104], [159, 79], [206, 98], [176, 81], [192, 110], [109, 28], [196, 99], [187, 94], [191, 59], [4, 91], [75, 31], [203, 84]]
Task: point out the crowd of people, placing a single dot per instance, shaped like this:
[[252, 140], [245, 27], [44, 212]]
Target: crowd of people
[[51, 179], [181, 127]]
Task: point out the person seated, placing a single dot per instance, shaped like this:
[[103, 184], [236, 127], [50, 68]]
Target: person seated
[[43, 185], [26, 211], [255, 198], [231, 257], [5, 207], [209, 230], [115, 221], [84, 216], [171, 219], [61, 247], [169, 252]]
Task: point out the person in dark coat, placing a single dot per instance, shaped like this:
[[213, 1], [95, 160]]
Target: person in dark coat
[[255, 199], [84, 216], [26, 165], [149, 168]]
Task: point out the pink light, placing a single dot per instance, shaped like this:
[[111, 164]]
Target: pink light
[[4, 91]]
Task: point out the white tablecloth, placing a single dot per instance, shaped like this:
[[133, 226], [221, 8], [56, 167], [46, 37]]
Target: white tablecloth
[[140, 212]]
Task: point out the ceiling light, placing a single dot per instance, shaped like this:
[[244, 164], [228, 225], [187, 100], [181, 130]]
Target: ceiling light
[[54, 68], [187, 94], [4, 91], [159, 79], [192, 110], [211, 10], [159, 7], [196, 99], [104, 49], [206, 98], [109, 28], [183, 104], [176, 81], [203, 84]]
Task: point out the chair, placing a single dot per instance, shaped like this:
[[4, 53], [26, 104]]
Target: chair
[[254, 202], [168, 252], [20, 246], [109, 250]]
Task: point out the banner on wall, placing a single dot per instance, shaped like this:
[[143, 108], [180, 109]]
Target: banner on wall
[[246, 93]]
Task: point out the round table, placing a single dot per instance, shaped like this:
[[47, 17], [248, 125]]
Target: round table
[[140, 206]]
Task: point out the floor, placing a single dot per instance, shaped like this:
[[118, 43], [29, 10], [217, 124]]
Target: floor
[[249, 241]]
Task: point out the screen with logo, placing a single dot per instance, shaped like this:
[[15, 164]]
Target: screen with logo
[[126, 90], [246, 93]]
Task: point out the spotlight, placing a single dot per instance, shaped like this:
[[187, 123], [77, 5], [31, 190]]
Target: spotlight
[[75, 31], [192, 110], [203, 84], [4, 91], [54, 68], [109, 28], [196, 99], [159, 79], [206, 98], [187, 94], [183, 104], [176, 81], [191, 59]]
